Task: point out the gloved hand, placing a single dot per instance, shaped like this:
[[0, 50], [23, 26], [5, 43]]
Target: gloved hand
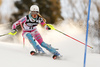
[[14, 30], [48, 28]]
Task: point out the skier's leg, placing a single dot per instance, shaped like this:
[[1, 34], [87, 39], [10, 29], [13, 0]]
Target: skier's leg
[[30, 38], [39, 39], [50, 48], [34, 44], [37, 36]]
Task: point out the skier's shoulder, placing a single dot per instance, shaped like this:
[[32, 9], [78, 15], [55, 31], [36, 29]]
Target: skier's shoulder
[[23, 18]]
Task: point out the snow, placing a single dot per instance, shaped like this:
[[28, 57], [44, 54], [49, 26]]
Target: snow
[[6, 9], [66, 9], [78, 9], [15, 55]]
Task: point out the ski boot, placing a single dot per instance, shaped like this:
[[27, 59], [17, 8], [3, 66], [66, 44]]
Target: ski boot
[[51, 50], [56, 55], [37, 51], [34, 44]]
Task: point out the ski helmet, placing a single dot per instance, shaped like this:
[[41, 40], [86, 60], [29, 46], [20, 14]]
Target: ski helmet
[[34, 8]]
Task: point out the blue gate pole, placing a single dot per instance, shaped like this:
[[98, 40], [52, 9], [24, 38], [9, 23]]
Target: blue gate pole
[[87, 33]]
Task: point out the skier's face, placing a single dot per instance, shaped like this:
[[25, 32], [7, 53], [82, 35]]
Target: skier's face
[[34, 12]]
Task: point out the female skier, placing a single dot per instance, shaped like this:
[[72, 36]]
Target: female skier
[[30, 31]]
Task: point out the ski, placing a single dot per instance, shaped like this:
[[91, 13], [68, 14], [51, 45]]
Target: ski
[[54, 56]]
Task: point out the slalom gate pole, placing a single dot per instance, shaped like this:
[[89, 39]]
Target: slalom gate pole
[[87, 34]]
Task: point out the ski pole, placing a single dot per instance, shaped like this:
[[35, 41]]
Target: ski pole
[[10, 33], [52, 28], [3, 35], [23, 37]]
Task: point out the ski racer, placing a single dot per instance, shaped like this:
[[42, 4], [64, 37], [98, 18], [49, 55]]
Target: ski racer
[[30, 31]]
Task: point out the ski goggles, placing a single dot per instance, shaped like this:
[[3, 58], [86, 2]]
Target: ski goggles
[[34, 12]]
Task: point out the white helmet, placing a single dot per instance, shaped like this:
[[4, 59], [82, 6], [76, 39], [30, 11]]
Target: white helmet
[[34, 8]]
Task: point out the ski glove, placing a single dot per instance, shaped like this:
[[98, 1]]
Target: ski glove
[[14, 30], [48, 28]]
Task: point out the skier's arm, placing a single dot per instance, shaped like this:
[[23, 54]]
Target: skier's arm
[[44, 25], [20, 21], [43, 22]]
